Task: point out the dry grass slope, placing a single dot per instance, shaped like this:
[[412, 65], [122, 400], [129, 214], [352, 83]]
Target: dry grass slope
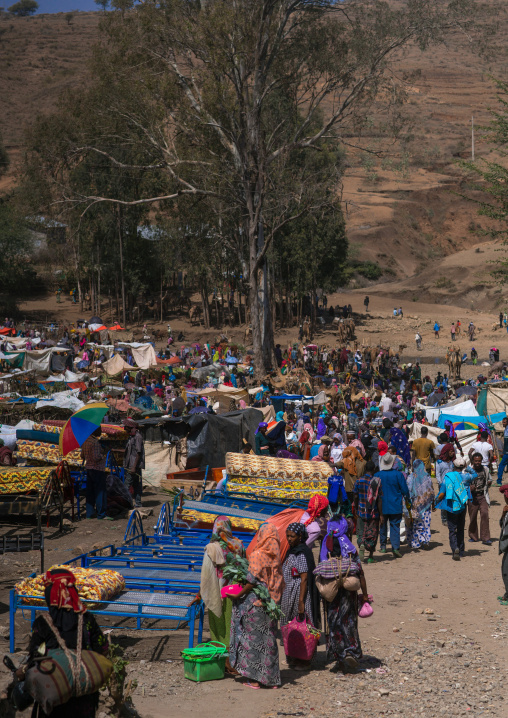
[[402, 208]]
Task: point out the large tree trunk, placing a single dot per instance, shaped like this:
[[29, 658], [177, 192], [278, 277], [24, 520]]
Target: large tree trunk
[[122, 278], [259, 303]]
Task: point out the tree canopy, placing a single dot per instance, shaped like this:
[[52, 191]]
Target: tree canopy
[[24, 8], [244, 110]]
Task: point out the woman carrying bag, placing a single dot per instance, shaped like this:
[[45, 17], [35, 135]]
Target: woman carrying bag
[[300, 598], [66, 614]]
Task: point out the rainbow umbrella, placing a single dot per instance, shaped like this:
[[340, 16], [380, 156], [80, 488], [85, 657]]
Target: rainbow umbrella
[[463, 425], [81, 425]]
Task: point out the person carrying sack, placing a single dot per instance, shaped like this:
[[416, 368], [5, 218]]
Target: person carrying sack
[[344, 569], [66, 615]]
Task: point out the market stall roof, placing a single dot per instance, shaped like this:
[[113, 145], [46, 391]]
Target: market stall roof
[[320, 398], [209, 436], [115, 365]]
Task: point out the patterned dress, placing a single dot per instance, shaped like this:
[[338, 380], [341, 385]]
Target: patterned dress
[[291, 593], [253, 650], [342, 613], [418, 533]]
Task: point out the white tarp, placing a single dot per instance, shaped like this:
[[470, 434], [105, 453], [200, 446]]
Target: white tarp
[[68, 376], [64, 400], [9, 357], [20, 342], [144, 356], [464, 408], [39, 361]]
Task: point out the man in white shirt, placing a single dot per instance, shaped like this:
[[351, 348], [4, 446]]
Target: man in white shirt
[[485, 449], [386, 404], [337, 448]]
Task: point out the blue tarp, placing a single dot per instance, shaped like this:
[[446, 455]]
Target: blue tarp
[[493, 418]]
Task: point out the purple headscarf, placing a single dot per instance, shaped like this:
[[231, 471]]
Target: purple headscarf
[[262, 425], [450, 429], [338, 530]]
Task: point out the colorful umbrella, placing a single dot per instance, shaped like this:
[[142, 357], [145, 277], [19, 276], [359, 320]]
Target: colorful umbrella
[[81, 425]]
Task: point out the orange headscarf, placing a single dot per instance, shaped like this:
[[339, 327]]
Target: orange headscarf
[[349, 457], [265, 563]]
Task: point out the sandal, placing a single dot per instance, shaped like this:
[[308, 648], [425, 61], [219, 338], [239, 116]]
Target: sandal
[[249, 685]]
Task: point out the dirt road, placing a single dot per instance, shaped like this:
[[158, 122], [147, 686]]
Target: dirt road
[[436, 644]]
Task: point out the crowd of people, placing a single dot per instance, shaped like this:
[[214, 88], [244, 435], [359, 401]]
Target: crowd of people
[[389, 475]]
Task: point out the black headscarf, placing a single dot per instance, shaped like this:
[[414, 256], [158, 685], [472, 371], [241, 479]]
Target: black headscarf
[[315, 601]]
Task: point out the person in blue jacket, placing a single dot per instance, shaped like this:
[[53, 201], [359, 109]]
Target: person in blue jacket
[[393, 490], [454, 493]]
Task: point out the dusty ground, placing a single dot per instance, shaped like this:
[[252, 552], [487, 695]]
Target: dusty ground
[[376, 327], [436, 644]]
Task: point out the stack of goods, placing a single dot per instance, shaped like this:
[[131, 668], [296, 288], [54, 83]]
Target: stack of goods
[[281, 479], [46, 453], [207, 520], [45, 427], [20, 480], [92, 584]]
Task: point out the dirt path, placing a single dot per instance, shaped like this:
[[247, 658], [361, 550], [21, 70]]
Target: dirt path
[[436, 644]]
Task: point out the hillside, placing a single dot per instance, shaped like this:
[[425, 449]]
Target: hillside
[[403, 210]]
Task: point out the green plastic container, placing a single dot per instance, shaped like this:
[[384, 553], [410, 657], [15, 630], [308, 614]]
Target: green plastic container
[[205, 662]]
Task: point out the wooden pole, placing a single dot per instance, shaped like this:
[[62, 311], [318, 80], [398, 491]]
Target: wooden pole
[[472, 138]]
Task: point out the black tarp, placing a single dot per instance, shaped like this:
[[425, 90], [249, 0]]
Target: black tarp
[[209, 436]]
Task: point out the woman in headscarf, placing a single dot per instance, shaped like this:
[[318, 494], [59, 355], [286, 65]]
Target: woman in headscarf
[[337, 448], [66, 613], [398, 439], [222, 543], [300, 596], [355, 443], [315, 518], [452, 436], [421, 495], [306, 440], [323, 454], [354, 466], [321, 428], [343, 645], [263, 445], [253, 650]]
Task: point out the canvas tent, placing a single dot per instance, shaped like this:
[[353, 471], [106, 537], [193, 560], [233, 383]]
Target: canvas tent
[[115, 365], [463, 406], [493, 399], [143, 354], [209, 436], [46, 361]]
